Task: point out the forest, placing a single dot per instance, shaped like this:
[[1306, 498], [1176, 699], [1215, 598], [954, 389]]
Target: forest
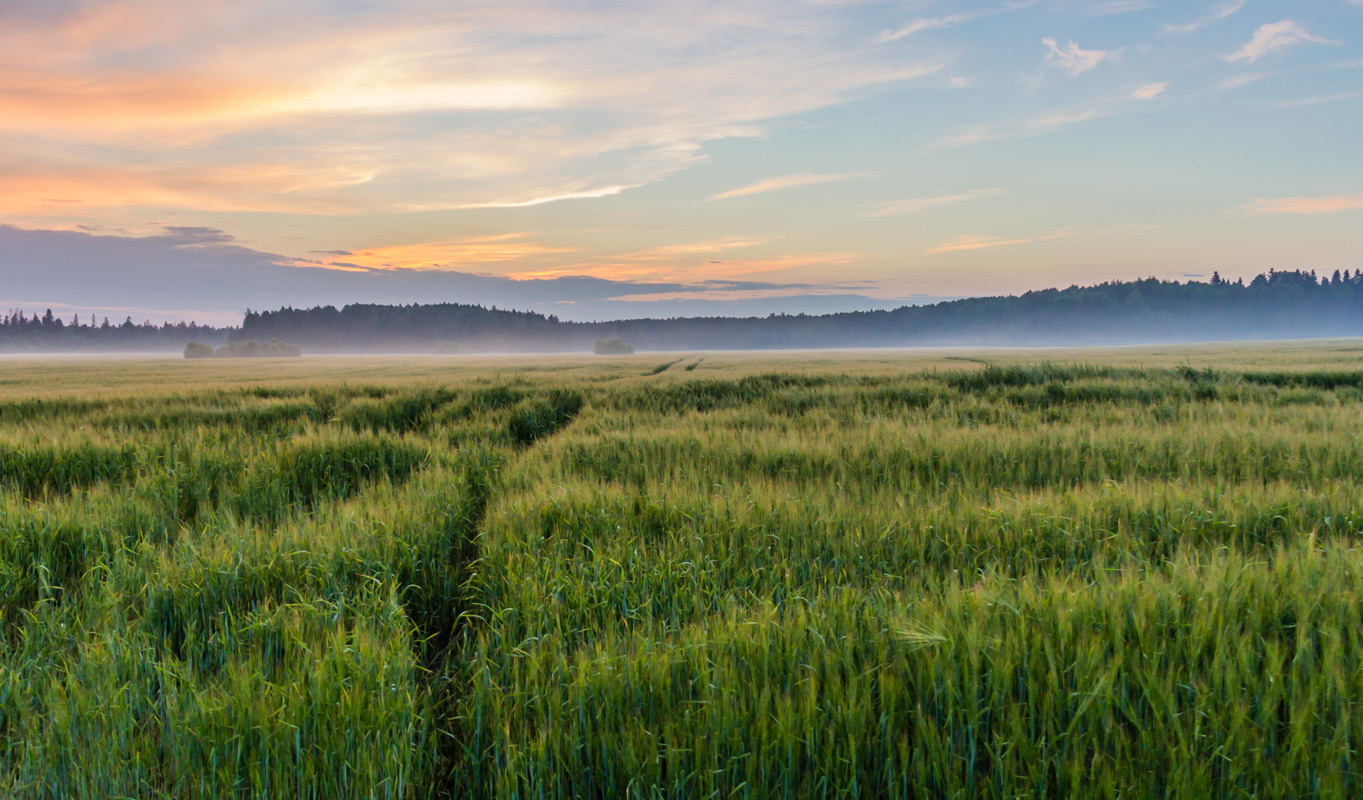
[[1291, 304], [20, 332], [1276, 305]]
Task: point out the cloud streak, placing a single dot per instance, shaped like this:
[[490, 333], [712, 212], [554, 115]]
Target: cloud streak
[[916, 204], [951, 20], [779, 183], [1307, 205], [925, 24], [586, 194], [1272, 39], [1221, 12], [447, 255], [961, 244]]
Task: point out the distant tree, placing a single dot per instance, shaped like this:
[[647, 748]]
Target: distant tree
[[612, 347], [253, 349]]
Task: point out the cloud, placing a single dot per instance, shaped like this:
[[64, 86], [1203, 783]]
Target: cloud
[[1110, 7], [649, 271], [1071, 58], [950, 20], [1307, 205], [447, 255], [672, 251], [1150, 91], [1079, 234], [920, 203], [1274, 38], [203, 274], [1219, 13], [927, 23], [585, 194], [1035, 126], [966, 243], [1236, 81], [782, 182], [1318, 100], [369, 108]]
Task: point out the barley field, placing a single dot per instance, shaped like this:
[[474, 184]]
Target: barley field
[[1119, 573]]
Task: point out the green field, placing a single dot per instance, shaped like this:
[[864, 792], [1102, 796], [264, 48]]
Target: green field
[[1121, 573]]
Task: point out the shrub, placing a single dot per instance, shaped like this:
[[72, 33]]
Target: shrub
[[198, 350], [612, 347], [252, 349]]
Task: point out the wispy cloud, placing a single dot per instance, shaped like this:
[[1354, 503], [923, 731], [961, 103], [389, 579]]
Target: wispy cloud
[[925, 24], [1307, 205], [1110, 7], [673, 251], [1236, 81], [950, 20], [1273, 38], [920, 203], [1305, 102], [1216, 15], [444, 255], [689, 270], [782, 182], [1075, 234], [1071, 58], [1035, 126], [1150, 91], [966, 243], [586, 194], [402, 106]]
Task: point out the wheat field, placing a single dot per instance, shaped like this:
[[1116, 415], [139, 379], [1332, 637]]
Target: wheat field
[[1117, 573]]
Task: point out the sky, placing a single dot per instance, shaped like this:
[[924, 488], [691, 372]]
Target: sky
[[164, 159]]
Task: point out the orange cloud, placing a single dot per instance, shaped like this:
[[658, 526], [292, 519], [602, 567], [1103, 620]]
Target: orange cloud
[[729, 294], [122, 101], [671, 251], [449, 254], [783, 182], [920, 203], [585, 194], [156, 87], [691, 271], [1307, 205], [963, 243], [245, 187]]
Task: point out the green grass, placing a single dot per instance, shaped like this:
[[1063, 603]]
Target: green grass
[[1110, 574]]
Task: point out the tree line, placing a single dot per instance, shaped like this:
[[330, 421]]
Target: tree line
[[1273, 305], [21, 332]]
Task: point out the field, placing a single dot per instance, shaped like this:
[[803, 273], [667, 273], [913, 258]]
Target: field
[[1124, 573]]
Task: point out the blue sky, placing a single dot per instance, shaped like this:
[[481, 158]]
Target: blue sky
[[176, 160]]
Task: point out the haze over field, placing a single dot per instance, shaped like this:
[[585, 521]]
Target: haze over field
[[177, 161]]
